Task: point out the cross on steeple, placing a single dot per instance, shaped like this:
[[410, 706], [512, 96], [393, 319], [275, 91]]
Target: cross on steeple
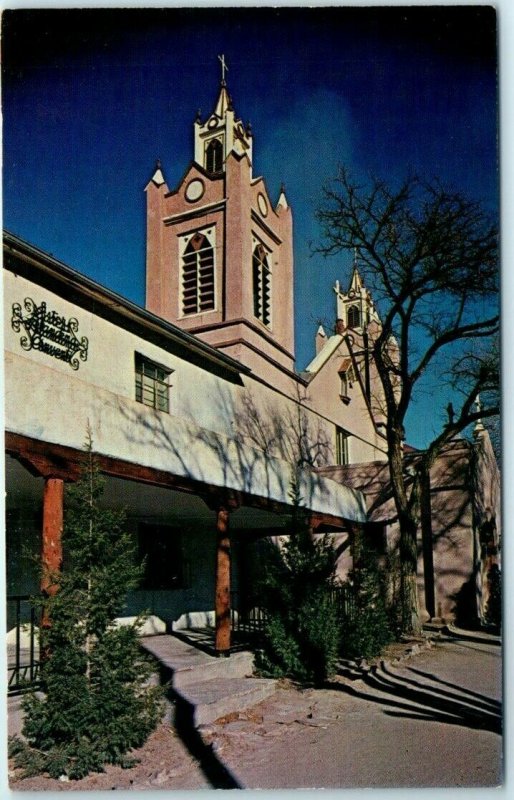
[[224, 68]]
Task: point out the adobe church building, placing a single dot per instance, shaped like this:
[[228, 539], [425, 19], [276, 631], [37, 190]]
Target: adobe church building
[[197, 414]]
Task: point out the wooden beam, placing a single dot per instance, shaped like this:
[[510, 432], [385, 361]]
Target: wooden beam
[[222, 595], [51, 540], [327, 522]]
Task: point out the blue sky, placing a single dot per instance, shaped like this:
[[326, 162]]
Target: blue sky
[[91, 99]]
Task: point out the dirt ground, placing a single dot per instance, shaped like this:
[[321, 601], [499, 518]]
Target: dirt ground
[[164, 763]]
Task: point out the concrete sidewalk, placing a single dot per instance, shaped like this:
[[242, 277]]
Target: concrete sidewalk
[[432, 720]]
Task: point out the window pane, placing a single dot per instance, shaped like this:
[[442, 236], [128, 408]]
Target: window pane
[[160, 546], [162, 397], [151, 383], [342, 454]]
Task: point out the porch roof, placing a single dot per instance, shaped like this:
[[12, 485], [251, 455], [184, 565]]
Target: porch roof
[[207, 468]]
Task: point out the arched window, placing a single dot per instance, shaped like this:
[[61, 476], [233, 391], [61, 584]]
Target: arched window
[[214, 156], [261, 285], [354, 317], [198, 276]]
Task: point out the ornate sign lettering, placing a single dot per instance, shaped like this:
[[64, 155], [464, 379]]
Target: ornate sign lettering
[[49, 333]]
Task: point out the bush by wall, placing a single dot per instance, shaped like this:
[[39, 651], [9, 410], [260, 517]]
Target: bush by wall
[[367, 630], [301, 636], [95, 703]]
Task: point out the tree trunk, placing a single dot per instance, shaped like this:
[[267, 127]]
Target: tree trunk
[[410, 620]]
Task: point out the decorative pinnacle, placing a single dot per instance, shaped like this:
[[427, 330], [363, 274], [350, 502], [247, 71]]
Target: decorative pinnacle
[[479, 426], [224, 69]]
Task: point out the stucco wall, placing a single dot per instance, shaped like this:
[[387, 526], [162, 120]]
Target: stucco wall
[[352, 414], [202, 437], [464, 499]]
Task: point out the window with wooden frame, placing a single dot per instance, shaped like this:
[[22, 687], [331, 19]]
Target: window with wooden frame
[[198, 275], [346, 379], [342, 446], [261, 285], [152, 384]]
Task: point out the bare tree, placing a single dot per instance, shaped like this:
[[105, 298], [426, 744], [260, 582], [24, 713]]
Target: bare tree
[[430, 257]]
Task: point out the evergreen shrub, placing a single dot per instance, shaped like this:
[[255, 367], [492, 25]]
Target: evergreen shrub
[[95, 701], [367, 629], [301, 636]]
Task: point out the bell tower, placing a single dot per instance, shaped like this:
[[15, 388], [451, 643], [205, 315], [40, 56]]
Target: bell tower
[[355, 308], [219, 251]]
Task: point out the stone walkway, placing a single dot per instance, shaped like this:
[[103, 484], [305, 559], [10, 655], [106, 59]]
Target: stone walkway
[[203, 687]]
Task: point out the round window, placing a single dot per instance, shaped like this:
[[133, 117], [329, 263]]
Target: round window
[[194, 190]]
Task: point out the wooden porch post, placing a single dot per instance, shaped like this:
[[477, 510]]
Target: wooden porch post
[[51, 545], [222, 599]]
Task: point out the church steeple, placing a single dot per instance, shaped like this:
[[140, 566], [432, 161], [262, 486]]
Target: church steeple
[[220, 251], [221, 133], [355, 308]]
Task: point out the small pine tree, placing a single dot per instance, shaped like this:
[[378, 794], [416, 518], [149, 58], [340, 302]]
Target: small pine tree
[[301, 635], [367, 629], [95, 702]]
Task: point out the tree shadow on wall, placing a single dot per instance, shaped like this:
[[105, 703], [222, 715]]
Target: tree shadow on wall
[[253, 451], [465, 609]]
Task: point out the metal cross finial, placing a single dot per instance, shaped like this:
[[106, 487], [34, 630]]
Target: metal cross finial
[[224, 67], [355, 258], [478, 404]]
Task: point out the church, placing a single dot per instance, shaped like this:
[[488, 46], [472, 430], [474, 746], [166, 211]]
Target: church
[[200, 420]]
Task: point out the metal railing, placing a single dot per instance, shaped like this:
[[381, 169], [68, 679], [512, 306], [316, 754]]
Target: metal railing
[[22, 644], [343, 598], [247, 618]]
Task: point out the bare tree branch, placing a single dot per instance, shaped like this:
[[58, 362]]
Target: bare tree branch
[[429, 255]]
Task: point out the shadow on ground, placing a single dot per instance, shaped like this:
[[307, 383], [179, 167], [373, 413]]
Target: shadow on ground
[[422, 696], [218, 775]]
